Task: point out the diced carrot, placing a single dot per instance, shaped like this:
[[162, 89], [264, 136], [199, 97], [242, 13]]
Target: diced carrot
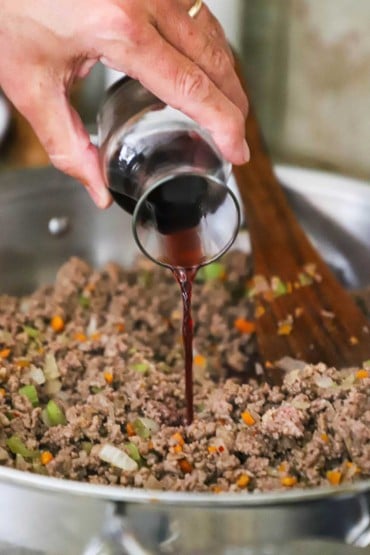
[[353, 340], [289, 481], [185, 466], [57, 323], [212, 449], [245, 326], [2, 392], [248, 418], [130, 429], [285, 328], [79, 336], [260, 311], [362, 374], [96, 336], [108, 376], [200, 360], [282, 467], [243, 481], [178, 449], [177, 437], [23, 363], [334, 477], [150, 445], [46, 457], [5, 353], [217, 489], [324, 437], [120, 327]]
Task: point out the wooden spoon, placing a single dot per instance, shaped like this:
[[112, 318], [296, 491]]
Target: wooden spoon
[[314, 319]]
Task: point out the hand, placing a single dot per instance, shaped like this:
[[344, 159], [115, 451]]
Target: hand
[[47, 45]]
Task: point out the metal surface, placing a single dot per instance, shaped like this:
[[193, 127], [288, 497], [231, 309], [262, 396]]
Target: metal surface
[[60, 517]]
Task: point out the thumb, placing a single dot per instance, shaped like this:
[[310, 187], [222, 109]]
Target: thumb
[[66, 141]]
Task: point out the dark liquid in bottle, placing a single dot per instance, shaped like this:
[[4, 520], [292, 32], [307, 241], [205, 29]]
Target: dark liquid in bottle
[[180, 202]]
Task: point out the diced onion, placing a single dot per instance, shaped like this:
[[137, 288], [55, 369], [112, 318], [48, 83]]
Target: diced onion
[[92, 326], [299, 404], [36, 375], [289, 364], [348, 382], [114, 456], [324, 381], [53, 387], [51, 369]]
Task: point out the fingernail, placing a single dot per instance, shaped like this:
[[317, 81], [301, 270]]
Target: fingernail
[[246, 151], [100, 196]]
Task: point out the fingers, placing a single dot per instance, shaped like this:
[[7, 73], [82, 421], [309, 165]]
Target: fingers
[[64, 137], [203, 41], [184, 85]]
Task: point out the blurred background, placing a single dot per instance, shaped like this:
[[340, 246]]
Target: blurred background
[[308, 67]]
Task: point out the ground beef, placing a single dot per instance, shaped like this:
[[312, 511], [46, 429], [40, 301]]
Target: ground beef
[[117, 377]]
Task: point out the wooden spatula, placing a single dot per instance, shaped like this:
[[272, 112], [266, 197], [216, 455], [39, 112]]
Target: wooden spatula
[[304, 313]]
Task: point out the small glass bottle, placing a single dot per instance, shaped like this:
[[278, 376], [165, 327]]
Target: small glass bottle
[[166, 171]]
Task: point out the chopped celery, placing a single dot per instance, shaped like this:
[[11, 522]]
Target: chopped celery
[[30, 392], [140, 428], [142, 367], [17, 447], [211, 272], [278, 287], [133, 452], [145, 427], [84, 302], [53, 415], [32, 333]]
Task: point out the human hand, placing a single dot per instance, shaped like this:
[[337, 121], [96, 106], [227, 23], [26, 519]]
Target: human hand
[[46, 46]]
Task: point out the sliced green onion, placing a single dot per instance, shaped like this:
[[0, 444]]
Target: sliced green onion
[[17, 447], [133, 452], [30, 392], [53, 415], [142, 367]]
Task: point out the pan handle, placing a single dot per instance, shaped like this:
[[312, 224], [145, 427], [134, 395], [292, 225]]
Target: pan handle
[[117, 538]]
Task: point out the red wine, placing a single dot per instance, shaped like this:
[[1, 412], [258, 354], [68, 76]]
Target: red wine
[[181, 201], [185, 278]]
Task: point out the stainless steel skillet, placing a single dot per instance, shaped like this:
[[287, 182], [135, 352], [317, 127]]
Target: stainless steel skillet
[[66, 518]]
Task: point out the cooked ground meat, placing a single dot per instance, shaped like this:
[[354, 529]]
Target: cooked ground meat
[[105, 347]]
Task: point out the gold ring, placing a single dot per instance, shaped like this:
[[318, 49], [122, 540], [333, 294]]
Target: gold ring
[[195, 9]]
